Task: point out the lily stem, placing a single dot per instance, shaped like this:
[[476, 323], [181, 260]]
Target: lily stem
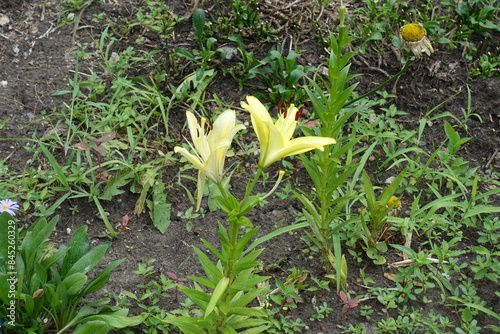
[[251, 185]]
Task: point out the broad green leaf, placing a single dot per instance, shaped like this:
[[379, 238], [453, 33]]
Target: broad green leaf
[[481, 250], [199, 23], [240, 322], [187, 325], [198, 297], [114, 184], [228, 329], [405, 249], [443, 40], [90, 259], [488, 25], [244, 240], [49, 261], [376, 36], [4, 288], [159, 208], [41, 273], [9, 235], [247, 262], [295, 76], [74, 283], [369, 192], [78, 246], [38, 278], [114, 317], [101, 279], [212, 249], [161, 217], [118, 319], [213, 273], [255, 330], [36, 236], [242, 300], [203, 281], [245, 283], [92, 327], [29, 304], [51, 294], [249, 311]]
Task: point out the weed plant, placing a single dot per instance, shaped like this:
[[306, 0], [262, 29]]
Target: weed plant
[[50, 283]]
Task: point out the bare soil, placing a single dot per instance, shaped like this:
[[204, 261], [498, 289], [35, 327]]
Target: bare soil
[[37, 59]]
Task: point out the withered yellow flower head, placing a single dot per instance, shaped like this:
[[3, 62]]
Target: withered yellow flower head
[[414, 38]]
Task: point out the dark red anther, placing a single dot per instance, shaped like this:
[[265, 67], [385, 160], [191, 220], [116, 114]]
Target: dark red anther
[[287, 106], [299, 113], [280, 106]]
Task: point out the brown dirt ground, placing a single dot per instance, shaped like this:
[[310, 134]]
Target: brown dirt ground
[[36, 60]]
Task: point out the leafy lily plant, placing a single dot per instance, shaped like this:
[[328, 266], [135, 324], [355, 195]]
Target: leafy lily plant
[[326, 209], [232, 281]]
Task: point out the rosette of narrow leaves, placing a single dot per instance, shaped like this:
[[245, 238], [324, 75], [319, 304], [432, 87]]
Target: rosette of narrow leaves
[[52, 283], [378, 211]]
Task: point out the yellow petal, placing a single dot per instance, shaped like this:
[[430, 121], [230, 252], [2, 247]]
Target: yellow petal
[[198, 135], [254, 105], [274, 138], [200, 188], [297, 146], [261, 119], [192, 158], [287, 125]]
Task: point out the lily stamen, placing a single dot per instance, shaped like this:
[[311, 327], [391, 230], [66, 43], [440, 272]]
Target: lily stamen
[[278, 181]]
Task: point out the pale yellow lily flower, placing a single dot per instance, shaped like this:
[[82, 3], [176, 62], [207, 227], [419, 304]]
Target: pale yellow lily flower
[[210, 147], [274, 137]]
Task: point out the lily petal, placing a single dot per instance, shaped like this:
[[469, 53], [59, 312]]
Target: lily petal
[[300, 145], [198, 136], [200, 187], [191, 158], [261, 120]]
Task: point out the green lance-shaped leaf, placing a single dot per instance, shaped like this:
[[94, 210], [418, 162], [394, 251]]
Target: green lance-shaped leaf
[[217, 295]]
